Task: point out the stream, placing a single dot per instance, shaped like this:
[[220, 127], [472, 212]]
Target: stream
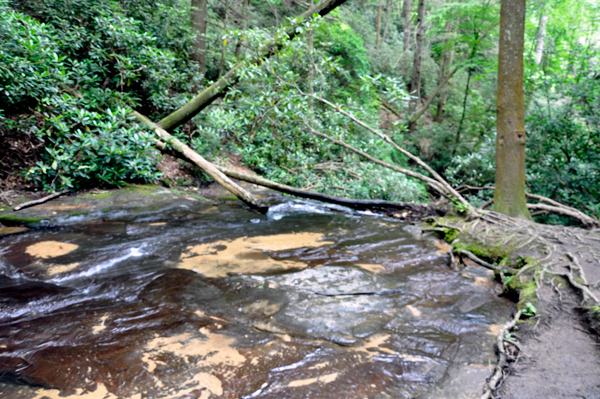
[[206, 301]]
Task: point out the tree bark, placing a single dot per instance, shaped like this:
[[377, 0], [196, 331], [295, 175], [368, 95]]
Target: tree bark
[[415, 83], [464, 111], [406, 13], [195, 158], [541, 37], [216, 90], [198, 17], [509, 197]]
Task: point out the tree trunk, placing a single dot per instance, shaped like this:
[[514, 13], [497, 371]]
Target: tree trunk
[[378, 28], [198, 17], [238, 47], [224, 44], [541, 37], [351, 203], [447, 59], [406, 13], [443, 81], [216, 90], [464, 111], [387, 20], [415, 84], [509, 197]]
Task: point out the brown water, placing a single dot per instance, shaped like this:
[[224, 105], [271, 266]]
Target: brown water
[[205, 302]]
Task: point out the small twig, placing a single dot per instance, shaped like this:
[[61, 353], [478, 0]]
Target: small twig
[[450, 252], [553, 283], [448, 226], [40, 201], [575, 284]]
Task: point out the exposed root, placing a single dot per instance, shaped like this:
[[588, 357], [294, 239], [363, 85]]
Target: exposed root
[[493, 382], [449, 226], [483, 263]]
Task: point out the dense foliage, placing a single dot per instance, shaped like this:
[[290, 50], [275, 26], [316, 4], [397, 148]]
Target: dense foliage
[[71, 70]]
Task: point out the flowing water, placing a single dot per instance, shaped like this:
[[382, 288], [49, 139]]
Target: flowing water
[[208, 301]]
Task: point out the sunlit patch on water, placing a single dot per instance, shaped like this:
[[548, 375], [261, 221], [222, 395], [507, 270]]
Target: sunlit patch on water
[[50, 249], [98, 392], [248, 255]]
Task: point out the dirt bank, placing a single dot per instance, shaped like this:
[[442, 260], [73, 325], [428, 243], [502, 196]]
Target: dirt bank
[[554, 274]]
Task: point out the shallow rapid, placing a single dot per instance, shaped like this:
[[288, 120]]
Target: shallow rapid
[[204, 301]]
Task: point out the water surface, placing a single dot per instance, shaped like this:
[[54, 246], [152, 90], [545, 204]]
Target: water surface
[[211, 301]]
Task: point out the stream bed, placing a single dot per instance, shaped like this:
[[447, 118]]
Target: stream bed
[[207, 301]]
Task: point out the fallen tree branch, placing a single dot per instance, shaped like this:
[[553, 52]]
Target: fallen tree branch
[[195, 158], [424, 209], [432, 183], [351, 203], [586, 220], [495, 379], [440, 180], [40, 201], [216, 90], [553, 207]]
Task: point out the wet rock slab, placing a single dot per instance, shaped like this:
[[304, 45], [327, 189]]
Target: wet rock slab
[[215, 301], [129, 203]]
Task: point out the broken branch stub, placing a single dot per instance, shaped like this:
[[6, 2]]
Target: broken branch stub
[[210, 169]]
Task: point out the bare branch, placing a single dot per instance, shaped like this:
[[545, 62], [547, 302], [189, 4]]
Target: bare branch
[[440, 180], [40, 201], [195, 158]]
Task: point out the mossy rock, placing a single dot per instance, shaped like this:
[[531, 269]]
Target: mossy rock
[[16, 220], [227, 198], [97, 196], [525, 286], [491, 252]]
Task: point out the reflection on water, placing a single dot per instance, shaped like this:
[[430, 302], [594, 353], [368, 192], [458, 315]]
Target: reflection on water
[[307, 301]]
